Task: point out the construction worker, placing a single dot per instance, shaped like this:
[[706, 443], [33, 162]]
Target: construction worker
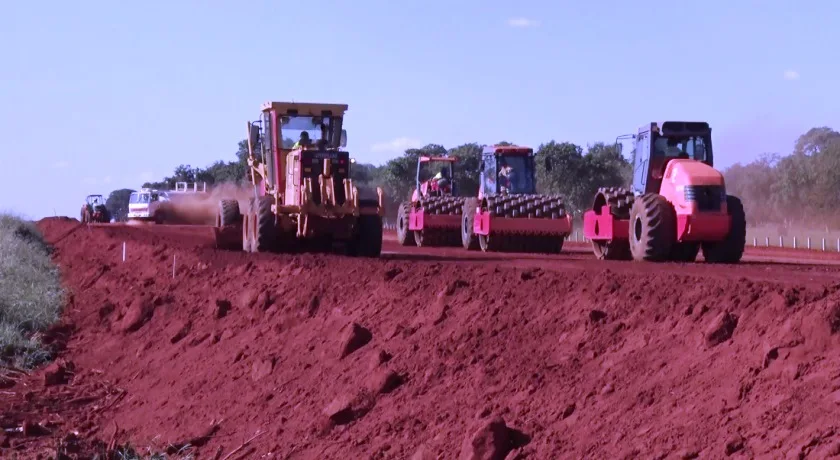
[[506, 177], [440, 181], [303, 141]]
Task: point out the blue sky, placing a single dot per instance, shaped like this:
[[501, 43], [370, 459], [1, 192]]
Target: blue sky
[[99, 95]]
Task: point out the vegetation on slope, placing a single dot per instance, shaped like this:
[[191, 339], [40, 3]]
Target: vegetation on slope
[[31, 295]]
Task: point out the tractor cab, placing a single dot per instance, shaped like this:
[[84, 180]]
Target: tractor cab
[[508, 170], [656, 146], [299, 142], [434, 177], [94, 200]]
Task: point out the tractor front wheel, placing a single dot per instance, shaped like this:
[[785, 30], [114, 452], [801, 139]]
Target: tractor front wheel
[[653, 228], [730, 249]]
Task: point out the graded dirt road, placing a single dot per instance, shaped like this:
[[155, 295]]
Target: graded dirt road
[[415, 355]]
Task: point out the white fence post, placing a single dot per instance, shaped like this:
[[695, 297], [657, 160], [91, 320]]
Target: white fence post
[[781, 242], [809, 242], [767, 241], [794, 242], [823, 244], [123, 251], [755, 241]]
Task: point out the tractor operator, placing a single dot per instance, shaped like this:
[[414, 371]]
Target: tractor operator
[[440, 182], [303, 141], [506, 176]]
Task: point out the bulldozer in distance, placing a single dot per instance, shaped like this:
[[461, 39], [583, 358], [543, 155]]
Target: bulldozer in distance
[[676, 206], [303, 194]]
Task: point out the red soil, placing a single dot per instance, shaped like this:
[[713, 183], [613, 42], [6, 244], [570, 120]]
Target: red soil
[[580, 358]]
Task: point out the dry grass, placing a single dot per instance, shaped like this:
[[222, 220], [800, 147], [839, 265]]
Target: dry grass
[[30, 292]]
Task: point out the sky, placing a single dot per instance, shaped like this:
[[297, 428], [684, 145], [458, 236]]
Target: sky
[[101, 95]]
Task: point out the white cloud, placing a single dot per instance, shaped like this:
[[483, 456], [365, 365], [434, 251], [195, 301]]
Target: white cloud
[[398, 145], [61, 164], [522, 22], [791, 75]]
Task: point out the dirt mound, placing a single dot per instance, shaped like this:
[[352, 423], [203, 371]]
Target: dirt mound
[[330, 357]]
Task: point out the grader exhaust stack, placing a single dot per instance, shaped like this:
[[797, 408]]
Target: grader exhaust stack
[[303, 194]]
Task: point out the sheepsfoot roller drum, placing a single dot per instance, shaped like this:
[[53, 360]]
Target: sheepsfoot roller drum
[[508, 215], [304, 198], [676, 207], [435, 221], [521, 223], [433, 215]]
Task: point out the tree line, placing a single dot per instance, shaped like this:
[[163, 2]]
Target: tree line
[[803, 186]]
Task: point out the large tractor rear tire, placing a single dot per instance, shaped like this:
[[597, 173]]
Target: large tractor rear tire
[[469, 240], [228, 213], [731, 249], [265, 229], [653, 228], [404, 236]]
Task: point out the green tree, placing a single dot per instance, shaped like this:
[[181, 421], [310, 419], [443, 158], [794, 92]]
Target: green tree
[[117, 203], [467, 168]]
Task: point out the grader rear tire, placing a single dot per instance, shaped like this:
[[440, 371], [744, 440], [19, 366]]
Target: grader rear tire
[[248, 222], [731, 249], [469, 240], [228, 213], [653, 228], [265, 229], [404, 236]]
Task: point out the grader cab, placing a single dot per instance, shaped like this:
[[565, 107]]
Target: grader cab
[[302, 186]]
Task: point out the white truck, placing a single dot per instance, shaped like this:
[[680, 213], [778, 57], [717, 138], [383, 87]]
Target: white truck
[[145, 204]]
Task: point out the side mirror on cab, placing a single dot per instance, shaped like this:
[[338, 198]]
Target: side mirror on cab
[[343, 141], [253, 136]]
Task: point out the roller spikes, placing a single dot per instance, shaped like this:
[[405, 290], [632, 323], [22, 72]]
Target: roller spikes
[[443, 205], [620, 200]]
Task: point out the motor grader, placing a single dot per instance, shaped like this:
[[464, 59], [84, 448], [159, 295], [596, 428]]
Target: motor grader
[[433, 215], [508, 214], [676, 206], [94, 210], [303, 194]]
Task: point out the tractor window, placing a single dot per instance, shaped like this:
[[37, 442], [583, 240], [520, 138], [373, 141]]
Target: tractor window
[[316, 128], [691, 147], [431, 169], [517, 172]]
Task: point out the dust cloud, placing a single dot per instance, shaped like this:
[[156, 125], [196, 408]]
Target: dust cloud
[[201, 208]]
